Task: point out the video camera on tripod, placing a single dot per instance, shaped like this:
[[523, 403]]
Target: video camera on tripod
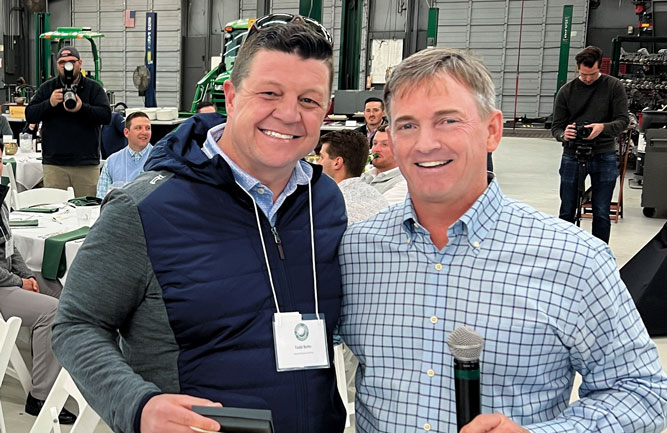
[[583, 148], [69, 88]]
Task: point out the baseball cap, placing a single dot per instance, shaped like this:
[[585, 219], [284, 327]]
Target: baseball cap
[[68, 51]]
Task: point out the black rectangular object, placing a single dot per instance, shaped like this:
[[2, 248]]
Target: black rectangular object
[[645, 275], [238, 420]]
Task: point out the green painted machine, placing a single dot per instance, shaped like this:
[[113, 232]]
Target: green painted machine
[[210, 87], [61, 35]]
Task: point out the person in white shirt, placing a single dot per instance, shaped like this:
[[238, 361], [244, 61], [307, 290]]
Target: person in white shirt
[[385, 175], [125, 165], [343, 156]]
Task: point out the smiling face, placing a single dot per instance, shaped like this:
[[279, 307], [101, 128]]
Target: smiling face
[[138, 133], [440, 141], [274, 118], [384, 159]]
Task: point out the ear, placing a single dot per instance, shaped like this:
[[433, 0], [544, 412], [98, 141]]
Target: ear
[[494, 124], [126, 132], [230, 94], [338, 163]]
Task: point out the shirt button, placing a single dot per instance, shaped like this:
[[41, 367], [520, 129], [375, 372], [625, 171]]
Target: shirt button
[[475, 244], [260, 190], [438, 267], [434, 320], [430, 372], [427, 427]]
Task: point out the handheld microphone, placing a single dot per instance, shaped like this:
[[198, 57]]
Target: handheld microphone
[[466, 346]]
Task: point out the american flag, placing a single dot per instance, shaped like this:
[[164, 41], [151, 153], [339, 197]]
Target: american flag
[[129, 18]]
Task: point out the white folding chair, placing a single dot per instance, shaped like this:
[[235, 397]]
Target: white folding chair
[[8, 332], [11, 198], [64, 387], [43, 196], [17, 368], [341, 382]]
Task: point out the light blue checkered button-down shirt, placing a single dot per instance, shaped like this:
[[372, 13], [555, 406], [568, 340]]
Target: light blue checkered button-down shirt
[[262, 195], [546, 297]]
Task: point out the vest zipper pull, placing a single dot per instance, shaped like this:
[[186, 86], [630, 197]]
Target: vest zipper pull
[[279, 243]]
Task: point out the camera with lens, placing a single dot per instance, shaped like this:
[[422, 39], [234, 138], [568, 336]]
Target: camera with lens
[[583, 131], [583, 149], [69, 88]]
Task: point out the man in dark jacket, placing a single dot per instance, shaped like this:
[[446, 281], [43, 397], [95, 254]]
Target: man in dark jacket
[[373, 116], [70, 136], [597, 103], [218, 266]]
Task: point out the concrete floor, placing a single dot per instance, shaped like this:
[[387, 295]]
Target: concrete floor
[[527, 169]]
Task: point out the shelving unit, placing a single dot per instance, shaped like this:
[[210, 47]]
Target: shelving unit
[[643, 72]]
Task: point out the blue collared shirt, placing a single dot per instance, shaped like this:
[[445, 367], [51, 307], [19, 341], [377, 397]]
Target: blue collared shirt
[[106, 179], [546, 297], [262, 195]]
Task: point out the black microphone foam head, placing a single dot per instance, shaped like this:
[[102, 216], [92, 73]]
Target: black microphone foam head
[[465, 344]]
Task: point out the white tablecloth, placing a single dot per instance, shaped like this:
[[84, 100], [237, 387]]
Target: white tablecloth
[[29, 171], [29, 241]]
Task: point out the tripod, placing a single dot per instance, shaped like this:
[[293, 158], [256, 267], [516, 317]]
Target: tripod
[[583, 152]]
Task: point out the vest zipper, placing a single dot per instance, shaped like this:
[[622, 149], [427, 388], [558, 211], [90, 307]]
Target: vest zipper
[[279, 243]]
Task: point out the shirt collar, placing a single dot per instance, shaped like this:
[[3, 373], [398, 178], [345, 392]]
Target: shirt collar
[[301, 175], [141, 153], [385, 174], [475, 223]]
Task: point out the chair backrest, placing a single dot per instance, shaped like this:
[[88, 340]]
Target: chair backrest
[[11, 198], [63, 388], [43, 196], [8, 332]]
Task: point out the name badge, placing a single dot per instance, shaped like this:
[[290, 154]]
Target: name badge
[[9, 247], [300, 341]]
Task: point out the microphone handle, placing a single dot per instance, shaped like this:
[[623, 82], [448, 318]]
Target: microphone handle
[[466, 384]]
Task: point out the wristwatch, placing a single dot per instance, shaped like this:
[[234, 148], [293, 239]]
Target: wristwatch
[[562, 137]]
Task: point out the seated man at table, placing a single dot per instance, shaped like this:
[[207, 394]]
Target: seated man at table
[[343, 156], [20, 296], [385, 175], [125, 165]]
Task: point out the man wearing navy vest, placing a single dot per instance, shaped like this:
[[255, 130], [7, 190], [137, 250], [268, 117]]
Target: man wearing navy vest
[[213, 278], [125, 165]]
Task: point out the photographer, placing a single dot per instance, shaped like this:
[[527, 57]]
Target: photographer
[[72, 109], [595, 106]]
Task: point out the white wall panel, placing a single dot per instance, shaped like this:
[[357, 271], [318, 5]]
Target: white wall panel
[[491, 29], [123, 49]]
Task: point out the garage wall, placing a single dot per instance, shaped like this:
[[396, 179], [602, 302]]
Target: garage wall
[[491, 28], [123, 49], [331, 19]]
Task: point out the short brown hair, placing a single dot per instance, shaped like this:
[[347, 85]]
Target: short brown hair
[[132, 116], [291, 38], [589, 56], [350, 145]]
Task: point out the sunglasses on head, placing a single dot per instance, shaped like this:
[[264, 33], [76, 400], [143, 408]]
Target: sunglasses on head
[[273, 20]]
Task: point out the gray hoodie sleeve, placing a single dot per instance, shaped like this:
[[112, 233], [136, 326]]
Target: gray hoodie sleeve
[[106, 296]]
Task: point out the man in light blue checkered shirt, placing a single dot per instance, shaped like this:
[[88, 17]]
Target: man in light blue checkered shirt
[[545, 295]]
